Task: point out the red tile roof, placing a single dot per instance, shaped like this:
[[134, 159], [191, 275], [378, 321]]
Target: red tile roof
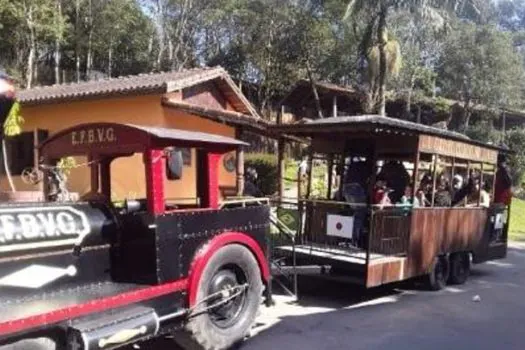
[[126, 85]]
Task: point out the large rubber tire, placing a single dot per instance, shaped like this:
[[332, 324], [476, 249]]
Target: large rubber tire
[[459, 268], [438, 275], [203, 328]]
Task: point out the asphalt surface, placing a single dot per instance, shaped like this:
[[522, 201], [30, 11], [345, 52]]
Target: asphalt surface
[[488, 312]]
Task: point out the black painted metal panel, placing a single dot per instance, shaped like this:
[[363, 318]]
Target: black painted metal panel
[[181, 234]]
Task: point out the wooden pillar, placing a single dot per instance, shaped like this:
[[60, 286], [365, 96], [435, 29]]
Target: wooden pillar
[[415, 178], [239, 159], [280, 166], [480, 185], [310, 173], [434, 178], [154, 163], [334, 106]]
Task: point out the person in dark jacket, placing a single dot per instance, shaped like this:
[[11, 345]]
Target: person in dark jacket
[[250, 187], [503, 188]]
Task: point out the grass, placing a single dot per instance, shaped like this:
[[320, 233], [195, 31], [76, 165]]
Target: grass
[[517, 220]]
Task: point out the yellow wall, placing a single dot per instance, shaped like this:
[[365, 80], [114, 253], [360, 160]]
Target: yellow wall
[[127, 173]]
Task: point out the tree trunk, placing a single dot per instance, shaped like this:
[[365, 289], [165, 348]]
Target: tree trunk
[[408, 108], [382, 41], [77, 40], [89, 55], [314, 90], [161, 33], [32, 50], [110, 60], [6, 166], [58, 40]]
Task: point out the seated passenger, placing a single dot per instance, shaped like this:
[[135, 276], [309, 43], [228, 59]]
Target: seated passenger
[[424, 193], [478, 195], [354, 193], [381, 193], [443, 198], [485, 195], [395, 173], [407, 199]]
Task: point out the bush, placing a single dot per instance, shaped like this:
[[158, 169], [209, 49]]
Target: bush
[[266, 167]]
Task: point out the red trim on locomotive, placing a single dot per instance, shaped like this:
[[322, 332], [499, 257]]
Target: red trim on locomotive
[[94, 306], [155, 167], [206, 252], [213, 179]]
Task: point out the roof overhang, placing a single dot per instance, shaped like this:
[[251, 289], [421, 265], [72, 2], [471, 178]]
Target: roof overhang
[[112, 139], [371, 124]]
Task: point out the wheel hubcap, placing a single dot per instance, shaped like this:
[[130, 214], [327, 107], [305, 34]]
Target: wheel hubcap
[[227, 298]]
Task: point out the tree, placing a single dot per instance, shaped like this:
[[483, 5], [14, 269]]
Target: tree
[[421, 47], [376, 35], [480, 67]]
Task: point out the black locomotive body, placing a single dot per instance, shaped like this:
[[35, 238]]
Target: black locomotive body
[[96, 275]]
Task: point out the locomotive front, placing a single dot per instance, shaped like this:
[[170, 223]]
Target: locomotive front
[[45, 246]]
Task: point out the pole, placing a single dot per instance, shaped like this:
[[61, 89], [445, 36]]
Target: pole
[[280, 165], [239, 158]]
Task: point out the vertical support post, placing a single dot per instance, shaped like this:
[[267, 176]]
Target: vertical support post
[[330, 176], [208, 178], [36, 155], [415, 177], [239, 157], [45, 181], [373, 171], [480, 184], [94, 170], [310, 173], [334, 107], [155, 164], [280, 167], [434, 178], [105, 177]]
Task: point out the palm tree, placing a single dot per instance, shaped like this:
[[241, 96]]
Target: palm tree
[[383, 52]]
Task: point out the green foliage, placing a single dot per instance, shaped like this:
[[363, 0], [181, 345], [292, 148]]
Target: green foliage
[[66, 164], [480, 66], [484, 132], [14, 121], [266, 167], [515, 140], [517, 220]]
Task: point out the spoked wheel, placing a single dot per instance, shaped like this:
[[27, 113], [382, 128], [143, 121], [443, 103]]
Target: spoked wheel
[[31, 176], [459, 268], [227, 296], [228, 299], [438, 276]]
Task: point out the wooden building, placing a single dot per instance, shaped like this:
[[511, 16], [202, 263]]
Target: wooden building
[[204, 99]]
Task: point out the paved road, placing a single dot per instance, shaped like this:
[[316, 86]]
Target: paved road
[[334, 316]]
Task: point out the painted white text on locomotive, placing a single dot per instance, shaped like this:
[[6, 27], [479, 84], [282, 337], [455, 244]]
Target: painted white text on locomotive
[[91, 136], [27, 228]]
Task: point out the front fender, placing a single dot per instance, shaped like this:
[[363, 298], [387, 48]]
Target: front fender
[[204, 254]]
